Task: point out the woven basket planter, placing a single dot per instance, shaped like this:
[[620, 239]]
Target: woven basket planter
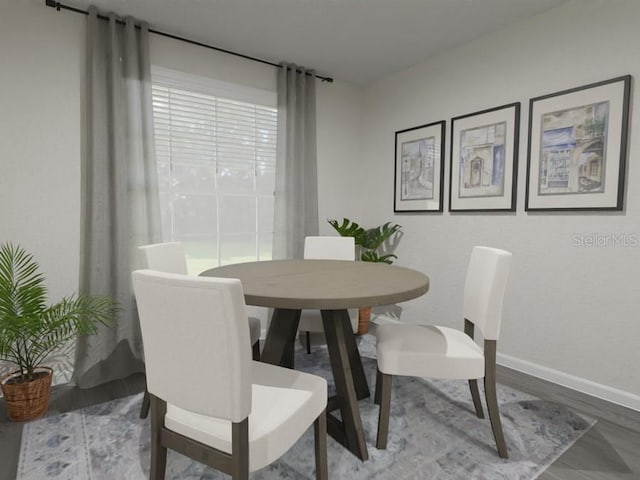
[[27, 400]]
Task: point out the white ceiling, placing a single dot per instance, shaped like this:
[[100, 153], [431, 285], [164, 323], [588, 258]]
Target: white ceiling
[[353, 40]]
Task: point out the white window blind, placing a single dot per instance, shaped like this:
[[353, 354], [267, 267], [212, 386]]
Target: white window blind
[[215, 149]]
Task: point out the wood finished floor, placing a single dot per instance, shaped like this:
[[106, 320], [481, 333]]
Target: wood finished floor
[[608, 451]]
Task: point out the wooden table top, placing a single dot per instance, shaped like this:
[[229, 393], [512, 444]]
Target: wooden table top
[[323, 284]]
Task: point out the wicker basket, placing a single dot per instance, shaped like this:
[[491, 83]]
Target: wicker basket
[[27, 400]]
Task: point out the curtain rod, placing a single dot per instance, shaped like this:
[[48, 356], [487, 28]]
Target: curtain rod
[[60, 6]]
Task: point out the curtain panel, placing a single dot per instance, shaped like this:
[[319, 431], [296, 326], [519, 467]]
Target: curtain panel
[[296, 190], [119, 192]]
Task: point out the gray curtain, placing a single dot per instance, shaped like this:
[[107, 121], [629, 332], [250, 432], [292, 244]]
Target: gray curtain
[[296, 193], [120, 206]]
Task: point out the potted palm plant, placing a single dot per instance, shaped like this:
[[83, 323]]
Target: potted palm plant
[[371, 244], [30, 330]]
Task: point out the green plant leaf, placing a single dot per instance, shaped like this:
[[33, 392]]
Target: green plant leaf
[[369, 240], [349, 229], [372, 256], [375, 237], [22, 289], [29, 329]]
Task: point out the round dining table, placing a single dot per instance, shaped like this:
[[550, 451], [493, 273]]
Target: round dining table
[[331, 286]]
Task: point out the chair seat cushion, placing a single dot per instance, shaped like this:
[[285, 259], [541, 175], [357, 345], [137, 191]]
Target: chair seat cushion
[[311, 321], [284, 403], [254, 329], [428, 351]]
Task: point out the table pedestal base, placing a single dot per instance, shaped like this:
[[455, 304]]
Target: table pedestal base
[[351, 383], [346, 364], [279, 346]]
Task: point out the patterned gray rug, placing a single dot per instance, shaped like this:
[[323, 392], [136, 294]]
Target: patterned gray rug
[[433, 434]]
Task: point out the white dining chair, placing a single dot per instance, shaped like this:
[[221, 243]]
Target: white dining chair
[[325, 248], [170, 257], [209, 400], [442, 352]]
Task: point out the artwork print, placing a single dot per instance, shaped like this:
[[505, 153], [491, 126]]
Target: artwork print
[[573, 147], [418, 178], [577, 152], [418, 158], [482, 161]]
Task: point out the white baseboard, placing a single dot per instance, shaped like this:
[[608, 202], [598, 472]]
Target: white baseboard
[[604, 392]]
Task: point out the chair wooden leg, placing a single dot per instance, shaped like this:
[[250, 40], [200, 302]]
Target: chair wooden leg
[[469, 329], [320, 436], [385, 407], [492, 398], [475, 395], [377, 393], [308, 343], [240, 450], [255, 351], [144, 409], [158, 451]]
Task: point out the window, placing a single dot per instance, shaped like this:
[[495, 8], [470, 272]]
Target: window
[[215, 148]]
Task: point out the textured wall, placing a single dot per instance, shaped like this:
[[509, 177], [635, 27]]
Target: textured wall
[[568, 308], [40, 144], [41, 100]]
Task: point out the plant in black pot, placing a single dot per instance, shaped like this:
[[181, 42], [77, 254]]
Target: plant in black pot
[[30, 330], [372, 244]]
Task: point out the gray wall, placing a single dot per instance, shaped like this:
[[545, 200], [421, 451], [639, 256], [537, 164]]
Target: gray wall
[[41, 119], [571, 313]]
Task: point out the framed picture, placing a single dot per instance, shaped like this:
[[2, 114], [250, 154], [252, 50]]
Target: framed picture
[[484, 160], [419, 169], [578, 147]]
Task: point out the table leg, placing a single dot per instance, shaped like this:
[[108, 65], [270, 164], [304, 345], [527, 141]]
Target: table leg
[[359, 378], [337, 328], [280, 342]]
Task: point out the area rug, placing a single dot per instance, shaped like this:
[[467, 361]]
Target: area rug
[[433, 434]]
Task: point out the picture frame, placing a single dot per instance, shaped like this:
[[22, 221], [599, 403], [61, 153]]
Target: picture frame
[[419, 168], [484, 160], [577, 153]]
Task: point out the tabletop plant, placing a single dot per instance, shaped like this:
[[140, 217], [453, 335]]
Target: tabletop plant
[[30, 329], [370, 241]]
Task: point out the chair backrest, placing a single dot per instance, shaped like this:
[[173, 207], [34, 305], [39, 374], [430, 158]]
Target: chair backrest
[[163, 257], [329, 248], [484, 289], [196, 342]]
